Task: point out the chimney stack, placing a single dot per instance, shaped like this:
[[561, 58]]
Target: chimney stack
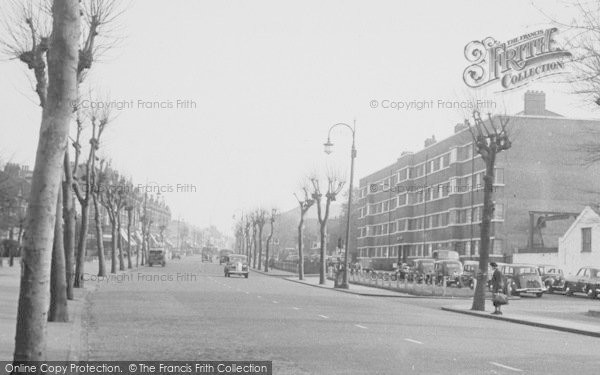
[[535, 103], [430, 141]]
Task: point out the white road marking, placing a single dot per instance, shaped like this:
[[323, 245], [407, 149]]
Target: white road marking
[[247, 292], [259, 296], [296, 308], [324, 316], [506, 367], [414, 341], [359, 326], [275, 302]]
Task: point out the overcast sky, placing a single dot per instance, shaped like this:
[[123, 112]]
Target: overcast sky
[[268, 79]]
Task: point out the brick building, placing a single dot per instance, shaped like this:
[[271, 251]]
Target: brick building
[[432, 199]]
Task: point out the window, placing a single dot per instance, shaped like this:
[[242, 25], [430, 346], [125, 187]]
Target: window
[[401, 225], [586, 240], [446, 189], [445, 218], [446, 160], [386, 206], [402, 199], [498, 211], [477, 214], [435, 221], [499, 176], [402, 174], [392, 227], [436, 164]]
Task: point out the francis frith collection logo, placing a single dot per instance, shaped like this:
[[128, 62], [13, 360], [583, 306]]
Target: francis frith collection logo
[[516, 62]]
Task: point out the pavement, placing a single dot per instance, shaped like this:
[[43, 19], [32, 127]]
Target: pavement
[[571, 326], [189, 311], [64, 339], [353, 289]]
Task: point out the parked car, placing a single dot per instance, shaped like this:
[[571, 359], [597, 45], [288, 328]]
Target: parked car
[[587, 281], [237, 264], [470, 269], [157, 256], [450, 269], [522, 278], [552, 277], [176, 255]]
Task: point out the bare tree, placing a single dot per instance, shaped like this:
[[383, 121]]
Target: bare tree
[[261, 219], [305, 203], [97, 180], [254, 221], [87, 187], [62, 60], [489, 140], [271, 222], [113, 198], [334, 186], [247, 226]]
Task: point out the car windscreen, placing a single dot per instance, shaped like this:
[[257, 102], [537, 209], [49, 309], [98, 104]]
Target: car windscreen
[[453, 266], [525, 270], [594, 272], [237, 259]]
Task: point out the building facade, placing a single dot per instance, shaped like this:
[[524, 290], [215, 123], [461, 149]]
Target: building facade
[[433, 199]]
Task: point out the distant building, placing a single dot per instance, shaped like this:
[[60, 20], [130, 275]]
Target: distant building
[[433, 199], [580, 245]]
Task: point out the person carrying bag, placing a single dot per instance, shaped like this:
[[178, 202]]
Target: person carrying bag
[[498, 298]]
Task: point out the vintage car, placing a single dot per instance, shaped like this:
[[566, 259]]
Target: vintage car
[[522, 278], [449, 269], [157, 256], [470, 269], [237, 264], [176, 255], [587, 281], [552, 277]]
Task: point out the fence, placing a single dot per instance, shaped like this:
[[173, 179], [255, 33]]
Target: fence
[[292, 266], [390, 281]]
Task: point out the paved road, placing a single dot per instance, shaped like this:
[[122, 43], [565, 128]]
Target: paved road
[[306, 330]]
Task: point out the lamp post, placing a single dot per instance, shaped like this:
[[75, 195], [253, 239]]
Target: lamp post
[[328, 150]]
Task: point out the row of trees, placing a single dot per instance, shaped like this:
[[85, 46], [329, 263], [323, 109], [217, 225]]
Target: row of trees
[[58, 41], [249, 236], [313, 192]]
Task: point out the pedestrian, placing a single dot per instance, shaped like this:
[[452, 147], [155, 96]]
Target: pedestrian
[[497, 288]]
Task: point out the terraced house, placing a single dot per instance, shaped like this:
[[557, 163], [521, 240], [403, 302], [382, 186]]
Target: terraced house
[[432, 199]]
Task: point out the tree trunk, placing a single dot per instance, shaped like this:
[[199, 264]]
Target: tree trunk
[[119, 243], [254, 247], [322, 268], [58, 311], [113, 245], [69, 225], [300, 250], [81, 245], [260, 230], [129, 265], [99, 237], [30, 342], [267, 249], [486, 221]]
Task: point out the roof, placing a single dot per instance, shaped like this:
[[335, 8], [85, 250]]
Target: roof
[[587, 212]]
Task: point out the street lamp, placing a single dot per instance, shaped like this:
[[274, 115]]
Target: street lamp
[[328, 150]]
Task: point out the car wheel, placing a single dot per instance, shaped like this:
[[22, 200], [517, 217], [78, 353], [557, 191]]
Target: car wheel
[[149, 264], [472, 284], [246, 276], [568, 291], [539, 295], [164, 264], [590, 293]]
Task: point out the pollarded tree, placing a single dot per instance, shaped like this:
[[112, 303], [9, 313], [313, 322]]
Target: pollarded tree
[[268, 243], [305, 203], [334, 187], [490, 139], [113, 198], [61, 50]]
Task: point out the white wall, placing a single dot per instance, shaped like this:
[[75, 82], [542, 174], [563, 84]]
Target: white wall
[[536, 258], [570, 257]]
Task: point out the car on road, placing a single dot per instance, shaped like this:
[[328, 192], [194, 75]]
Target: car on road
[[587, 281], [237, 264], [448, 269], [176, 255], [522, 278], [157, 256], [552, 277]]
